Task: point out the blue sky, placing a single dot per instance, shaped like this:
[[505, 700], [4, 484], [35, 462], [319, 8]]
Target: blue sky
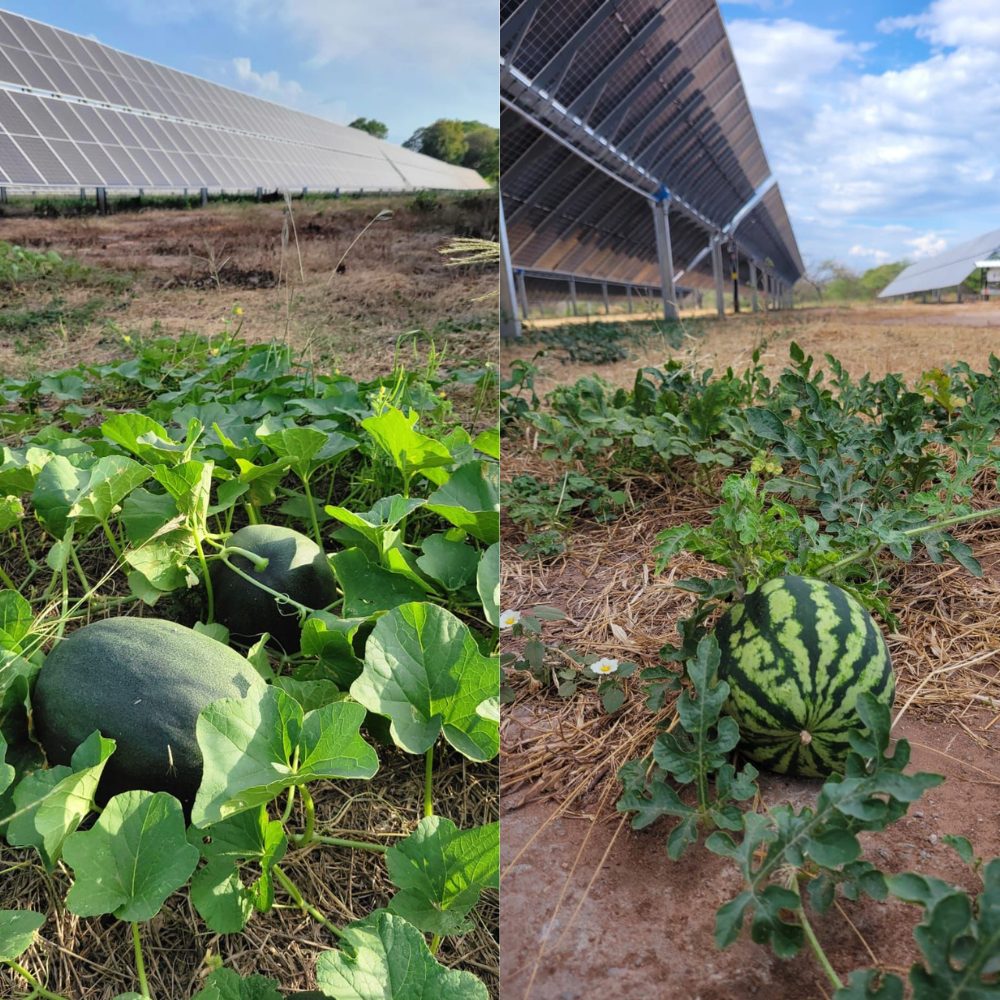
[[401, 62], [880, 119]]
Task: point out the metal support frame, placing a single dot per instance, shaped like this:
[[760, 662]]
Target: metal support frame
[[720, 302], [631, 140], [665, 255], [550, 77], [607, 301], [102, 200], [522, 292], [3, 195], [628, 296], [590, 95], [572, 296], [260, 194], [734, 262], [753, 286], [83, 194], [510, 324], [203, 197]]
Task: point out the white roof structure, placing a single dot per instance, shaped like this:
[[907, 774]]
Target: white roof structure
[[75, 113], [946, 269]]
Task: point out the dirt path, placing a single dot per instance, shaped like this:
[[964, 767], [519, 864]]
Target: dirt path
[[643, 930]]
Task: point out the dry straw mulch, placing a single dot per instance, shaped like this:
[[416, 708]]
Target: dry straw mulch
[[92, 959]]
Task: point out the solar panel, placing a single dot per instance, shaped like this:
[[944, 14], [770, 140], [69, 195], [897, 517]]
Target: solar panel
[[945, 269], [74, 112], [606, 105]]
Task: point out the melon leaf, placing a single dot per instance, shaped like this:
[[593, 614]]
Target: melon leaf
[[134, 857], [423, 669], [17, 932], [440, 871], [384, 958], [249, 746]]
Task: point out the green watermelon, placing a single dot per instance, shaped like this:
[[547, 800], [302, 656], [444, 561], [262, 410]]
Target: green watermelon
[[796, 654]]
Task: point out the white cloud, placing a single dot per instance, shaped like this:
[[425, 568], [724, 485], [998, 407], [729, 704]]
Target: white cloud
[[269, 85], [927, 245], [879, 256], [952, 23], [857, 149], [779, 59]]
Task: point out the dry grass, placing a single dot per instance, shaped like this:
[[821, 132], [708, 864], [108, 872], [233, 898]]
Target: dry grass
[[946, 653], [91, 959], [395, 280], [908, 339]]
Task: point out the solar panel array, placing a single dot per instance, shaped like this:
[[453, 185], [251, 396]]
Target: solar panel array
[[74, 112], [605, 103], [945, 270]]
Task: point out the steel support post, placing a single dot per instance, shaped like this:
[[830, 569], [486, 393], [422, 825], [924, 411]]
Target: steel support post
[[522, 292], [735, 272], [665, 254], [83, 194], [628, 296], [572, 296], [607, 301], [753, 287], [260, 194], [720, 302], [3, 195], [102, 201], [510, 325], [958, 292], [204, 197], [937, 294]]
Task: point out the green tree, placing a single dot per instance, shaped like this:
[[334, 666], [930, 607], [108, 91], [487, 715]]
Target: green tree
[[444, 140], [370, 125], [484, 149]]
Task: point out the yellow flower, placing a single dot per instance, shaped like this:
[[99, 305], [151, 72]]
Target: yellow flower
[[443, 395], [239, 311]]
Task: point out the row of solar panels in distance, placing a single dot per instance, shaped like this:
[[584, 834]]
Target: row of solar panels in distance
[[78, 67], [77, 144]]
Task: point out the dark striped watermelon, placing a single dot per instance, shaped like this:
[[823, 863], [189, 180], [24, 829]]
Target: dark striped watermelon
[[796, 654]]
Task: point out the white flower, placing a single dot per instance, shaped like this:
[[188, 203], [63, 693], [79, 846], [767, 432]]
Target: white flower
[[508, 619], [605, 665]]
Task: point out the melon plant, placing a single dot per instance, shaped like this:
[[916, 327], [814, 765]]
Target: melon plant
[[797, 654]]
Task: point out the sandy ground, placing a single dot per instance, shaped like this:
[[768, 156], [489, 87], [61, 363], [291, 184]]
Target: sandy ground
[[594, 908], [910, 339]]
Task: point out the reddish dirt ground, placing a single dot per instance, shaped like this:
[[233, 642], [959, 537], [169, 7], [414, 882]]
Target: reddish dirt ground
[[598, 909]]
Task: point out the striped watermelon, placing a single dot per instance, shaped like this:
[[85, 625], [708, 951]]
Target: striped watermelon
[[796, 654]]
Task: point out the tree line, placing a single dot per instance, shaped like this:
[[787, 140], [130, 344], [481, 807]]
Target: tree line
[[470, 144]]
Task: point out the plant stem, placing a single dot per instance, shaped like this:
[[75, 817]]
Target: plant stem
[[306, 836], [312, 512], [288, 805], [207, 577], [259, 562], [817, 948], [301, 903], [34, 983], [358, 844], [139, 964], [79, 569], [6, 580], [112, 541], [435, 941], [282, 598], [428, 777]]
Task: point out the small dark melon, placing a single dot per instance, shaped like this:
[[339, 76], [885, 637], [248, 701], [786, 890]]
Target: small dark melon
[[297, 566], [142, 683]]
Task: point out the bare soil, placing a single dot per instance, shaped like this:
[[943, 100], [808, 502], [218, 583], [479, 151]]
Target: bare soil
[[910, 338], [594, 908], [188, 269]]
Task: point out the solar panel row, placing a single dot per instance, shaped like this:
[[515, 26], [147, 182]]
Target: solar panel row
[[117, 120], [606, 103]]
